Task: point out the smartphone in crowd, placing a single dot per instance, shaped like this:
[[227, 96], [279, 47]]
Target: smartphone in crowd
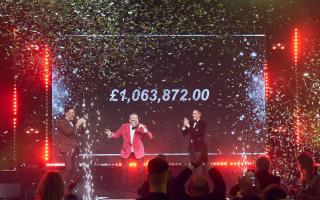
[[252, 175]]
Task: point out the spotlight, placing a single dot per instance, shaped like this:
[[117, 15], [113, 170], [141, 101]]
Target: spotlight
[[278, 46]]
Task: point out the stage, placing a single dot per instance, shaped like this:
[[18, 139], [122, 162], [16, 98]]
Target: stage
[[102, 80]]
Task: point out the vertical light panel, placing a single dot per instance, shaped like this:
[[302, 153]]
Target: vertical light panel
[[297, 106], [266, 95], [47, 82], [14, 101], [266, 82], [15, 114], [295, 46]]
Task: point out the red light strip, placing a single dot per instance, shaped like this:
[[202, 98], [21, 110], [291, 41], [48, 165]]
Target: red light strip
[[15, 105], [15, 113], [225, 164], [295, 50], [46, 80], [266, 82], [296, 113]]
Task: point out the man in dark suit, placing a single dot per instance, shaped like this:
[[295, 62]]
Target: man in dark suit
[[197, 130], [67, 143]]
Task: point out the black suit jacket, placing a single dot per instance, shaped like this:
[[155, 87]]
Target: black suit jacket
[[66, 128], [197, 134], [66, 139]]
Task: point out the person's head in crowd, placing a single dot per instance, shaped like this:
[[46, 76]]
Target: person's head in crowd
[[162, 156], [308, 177], [263, 164], [306, 165], [198, 186], [158, 172], [273, 192], [51, 187]]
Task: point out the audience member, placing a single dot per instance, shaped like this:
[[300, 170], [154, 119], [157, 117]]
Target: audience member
[[143, 190], [310, 181], [273, 192], [199, 185], [158, 174], [263, 178], [51, 187]]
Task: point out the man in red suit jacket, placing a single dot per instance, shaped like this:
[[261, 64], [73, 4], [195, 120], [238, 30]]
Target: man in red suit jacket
[[132, 148]]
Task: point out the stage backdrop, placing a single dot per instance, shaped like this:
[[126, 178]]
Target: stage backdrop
[[162, 78]]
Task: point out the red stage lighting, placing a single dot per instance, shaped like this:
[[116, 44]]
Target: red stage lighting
[[278, 46], [132, 164], [297, 112], [14, 119], [46, 66], [266, 82], [295, 46], [55, 164]]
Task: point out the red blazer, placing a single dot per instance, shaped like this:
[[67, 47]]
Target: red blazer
[[137, 144]]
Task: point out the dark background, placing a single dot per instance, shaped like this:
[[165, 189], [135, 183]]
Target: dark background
[[232, 69]]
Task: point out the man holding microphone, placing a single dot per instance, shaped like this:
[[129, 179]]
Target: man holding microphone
[[132, 134]]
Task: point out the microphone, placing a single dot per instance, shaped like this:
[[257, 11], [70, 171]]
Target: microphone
[[143, 128]]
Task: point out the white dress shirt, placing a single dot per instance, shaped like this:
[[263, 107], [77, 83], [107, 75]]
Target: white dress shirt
[[132, 131], [195, 123]]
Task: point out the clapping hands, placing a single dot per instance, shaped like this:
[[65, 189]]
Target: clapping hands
[[186, 122]]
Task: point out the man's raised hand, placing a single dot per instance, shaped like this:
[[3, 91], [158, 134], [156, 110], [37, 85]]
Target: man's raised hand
[[108, 132]]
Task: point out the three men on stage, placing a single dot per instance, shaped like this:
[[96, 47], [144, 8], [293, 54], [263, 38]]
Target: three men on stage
[[132, 134], [197, 130], [132, 148]]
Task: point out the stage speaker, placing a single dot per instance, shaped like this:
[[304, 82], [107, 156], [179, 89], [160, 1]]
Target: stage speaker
[[11, 191]]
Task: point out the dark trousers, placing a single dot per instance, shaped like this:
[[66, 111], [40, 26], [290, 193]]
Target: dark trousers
[[70, 158], [195, 151], [132, 175]]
